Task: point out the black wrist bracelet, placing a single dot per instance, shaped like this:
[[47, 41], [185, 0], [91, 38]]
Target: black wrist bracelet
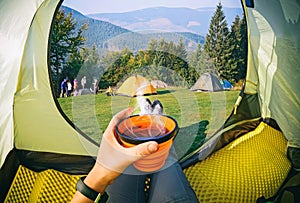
[[89, 192]]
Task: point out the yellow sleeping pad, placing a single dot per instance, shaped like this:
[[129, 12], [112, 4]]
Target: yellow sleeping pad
[[252, 166], [47, 186]]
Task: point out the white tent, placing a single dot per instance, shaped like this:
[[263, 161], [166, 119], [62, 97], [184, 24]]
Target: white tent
[[207, 82]]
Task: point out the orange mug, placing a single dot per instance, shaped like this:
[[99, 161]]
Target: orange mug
[[137, 129]]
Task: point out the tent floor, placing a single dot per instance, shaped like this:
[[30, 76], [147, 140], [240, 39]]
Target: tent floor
[[47, 186], [252, 166]]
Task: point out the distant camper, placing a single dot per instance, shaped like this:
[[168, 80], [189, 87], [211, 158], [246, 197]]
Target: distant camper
[[69, 88], [83, 82], [63, 88], [109, 92]]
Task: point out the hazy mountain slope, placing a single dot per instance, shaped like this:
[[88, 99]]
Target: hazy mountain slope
[[167, 19], [110, 37], [98, 31]]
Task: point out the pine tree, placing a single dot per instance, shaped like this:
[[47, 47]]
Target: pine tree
[[201, 62], [181, 51], [64, 41], [233, 52], [120, 66], [236, 53], [91, 67], [242, 66], [215, 44], [195, 56]]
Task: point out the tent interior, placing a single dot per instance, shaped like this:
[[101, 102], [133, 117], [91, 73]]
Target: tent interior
[[43, 154]]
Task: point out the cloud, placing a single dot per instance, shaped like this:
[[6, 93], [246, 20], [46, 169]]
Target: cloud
[[193, 23], [161, 24]]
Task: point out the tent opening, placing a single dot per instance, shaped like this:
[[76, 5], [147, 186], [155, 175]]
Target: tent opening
[[174, 55]]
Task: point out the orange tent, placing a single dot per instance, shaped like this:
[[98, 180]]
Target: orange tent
[[136, 86]]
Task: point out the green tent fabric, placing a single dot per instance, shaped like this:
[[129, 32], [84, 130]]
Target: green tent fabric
[[31, 123], [30, 119], [273, 64]]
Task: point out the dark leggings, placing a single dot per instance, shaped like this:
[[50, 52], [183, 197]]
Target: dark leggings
[[168, 185]]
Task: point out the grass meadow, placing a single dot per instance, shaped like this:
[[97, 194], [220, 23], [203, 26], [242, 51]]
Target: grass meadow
[[198, 114]]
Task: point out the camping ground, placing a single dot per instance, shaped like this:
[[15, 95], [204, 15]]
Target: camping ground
[[92, 113]]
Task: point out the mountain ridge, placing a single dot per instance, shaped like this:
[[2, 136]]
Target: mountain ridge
[[107, 36], [167, 19]]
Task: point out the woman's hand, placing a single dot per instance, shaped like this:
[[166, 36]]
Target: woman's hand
[[113, 158]]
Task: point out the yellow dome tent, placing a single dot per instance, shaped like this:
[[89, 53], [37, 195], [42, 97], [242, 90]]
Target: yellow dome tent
[[136, 85]]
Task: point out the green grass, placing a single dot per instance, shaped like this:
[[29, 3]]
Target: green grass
[[197, 113]]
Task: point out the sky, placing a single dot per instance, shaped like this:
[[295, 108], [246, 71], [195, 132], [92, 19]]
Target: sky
[[118, 6]]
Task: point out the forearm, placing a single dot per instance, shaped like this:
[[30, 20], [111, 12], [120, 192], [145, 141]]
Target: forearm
[[97, 179], [78, 197]]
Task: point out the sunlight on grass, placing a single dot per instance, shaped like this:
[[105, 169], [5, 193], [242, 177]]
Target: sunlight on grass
[[92, 113]]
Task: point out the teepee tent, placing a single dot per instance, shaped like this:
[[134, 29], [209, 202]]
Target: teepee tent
[[240, 163], [136, 85], [207, 82]]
